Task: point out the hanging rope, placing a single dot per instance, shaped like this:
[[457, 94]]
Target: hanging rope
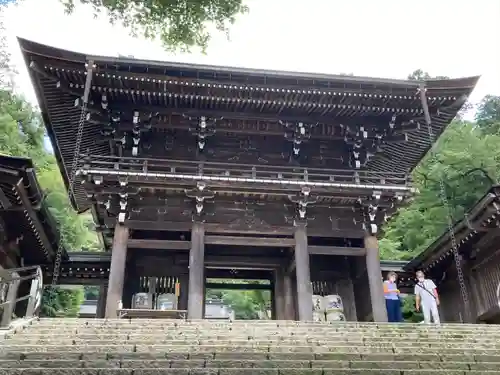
[[446, 205]]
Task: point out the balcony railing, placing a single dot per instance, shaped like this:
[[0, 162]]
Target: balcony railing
[[165, 170], [10, 288]]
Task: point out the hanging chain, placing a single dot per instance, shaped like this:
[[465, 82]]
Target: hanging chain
[[74, 163], [446, 205]]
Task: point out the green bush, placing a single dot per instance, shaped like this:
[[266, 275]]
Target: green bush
[[61, 302]]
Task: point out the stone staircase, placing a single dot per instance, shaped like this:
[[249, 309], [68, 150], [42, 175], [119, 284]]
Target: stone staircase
[[174, 347]]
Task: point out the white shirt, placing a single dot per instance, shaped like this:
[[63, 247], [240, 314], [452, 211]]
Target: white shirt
[[425, 290]]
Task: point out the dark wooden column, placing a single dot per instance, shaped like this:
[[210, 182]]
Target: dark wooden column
[[289, 297], [117, 270], [375, 279], [279, 294], [131, 284], [183, 295], [273, 299], [101, 301], [196, 291], [302, 270]]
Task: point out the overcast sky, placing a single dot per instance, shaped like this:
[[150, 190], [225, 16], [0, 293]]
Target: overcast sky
[[383, 38]]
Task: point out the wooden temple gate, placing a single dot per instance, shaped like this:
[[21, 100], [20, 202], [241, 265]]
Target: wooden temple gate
[[191, 170]]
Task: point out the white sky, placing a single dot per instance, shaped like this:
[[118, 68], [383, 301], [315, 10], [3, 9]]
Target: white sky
[[383, 38]]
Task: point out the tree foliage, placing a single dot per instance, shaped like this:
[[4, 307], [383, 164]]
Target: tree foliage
[[408, 310], [179, 24], [468, 161], [22, 134], [246, 304], [61, 302], [488, 115]]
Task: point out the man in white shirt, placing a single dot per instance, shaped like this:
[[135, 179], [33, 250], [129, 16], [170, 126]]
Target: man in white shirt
[[427, 298]]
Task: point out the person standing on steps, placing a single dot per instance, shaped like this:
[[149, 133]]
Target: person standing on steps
[[392, 299], [427, 298]]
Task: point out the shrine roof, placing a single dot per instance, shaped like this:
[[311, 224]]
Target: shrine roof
[[179, 89], [471, 233], [26, 218]]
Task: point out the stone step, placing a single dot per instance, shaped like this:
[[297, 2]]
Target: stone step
[[68, 321], [172, 335], [229, 328], [236, 371], [88, 356], [184, 325], [256, 324], [18, 351], [136, 347], [148, 341], [250, 331], [284, 341], [288, 364]]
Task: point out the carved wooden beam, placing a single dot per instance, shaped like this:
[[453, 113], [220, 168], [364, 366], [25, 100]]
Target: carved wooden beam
[[238, 286], [215, 273], [249, 241], [158, 244], [246, 241], [352, 231], [242, 262], [250, 123]]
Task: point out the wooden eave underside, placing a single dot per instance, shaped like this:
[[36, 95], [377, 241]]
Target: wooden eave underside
[[480, 226], [23, 211], [232, 90]]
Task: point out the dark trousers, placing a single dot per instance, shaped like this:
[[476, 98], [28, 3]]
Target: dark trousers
[[394, 313]]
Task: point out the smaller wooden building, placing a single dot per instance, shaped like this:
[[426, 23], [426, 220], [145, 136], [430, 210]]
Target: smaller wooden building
[[28, 232], [477, 236]]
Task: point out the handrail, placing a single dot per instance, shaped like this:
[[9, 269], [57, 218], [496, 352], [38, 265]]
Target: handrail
[[10, 281]]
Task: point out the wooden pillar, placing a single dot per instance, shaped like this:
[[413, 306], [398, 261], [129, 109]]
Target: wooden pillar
[[273, 306], [196, 293], [375, 282], [183, 295], [289, 300], [302, 270], [117, 271], [101, 301], [279, 294]]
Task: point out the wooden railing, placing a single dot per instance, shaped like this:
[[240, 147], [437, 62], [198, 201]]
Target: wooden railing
[[10, 282], [234, 172]]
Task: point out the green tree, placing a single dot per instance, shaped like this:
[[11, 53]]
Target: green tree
[[420, 75], [468, 160], [61, 302], [91, 292], [488, 115], [410, 315], [469, 163], [246, 304], [179, 24]]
